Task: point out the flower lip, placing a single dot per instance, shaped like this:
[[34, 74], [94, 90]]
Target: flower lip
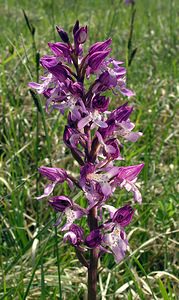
[[117, 242]]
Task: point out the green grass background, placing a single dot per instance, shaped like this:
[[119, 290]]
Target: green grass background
[[34, 263]]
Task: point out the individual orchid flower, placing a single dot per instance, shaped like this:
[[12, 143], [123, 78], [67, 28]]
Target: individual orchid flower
[[56, 175], [96, 59], [62, 51], [71, 210], [121, 216], [125, 131], [74, 235], [118, 73], [127, 177], [115, 119], [115, 74], [48, 83], [110, 148], [67, 95], [101, 176], [111, 234], [55, 67]]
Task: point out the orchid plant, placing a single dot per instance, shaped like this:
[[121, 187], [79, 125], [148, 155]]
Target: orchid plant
[[94, 136]]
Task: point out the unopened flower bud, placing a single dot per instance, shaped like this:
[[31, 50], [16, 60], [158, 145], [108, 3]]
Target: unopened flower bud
[[76, 27], [81, 35], [63, 34]]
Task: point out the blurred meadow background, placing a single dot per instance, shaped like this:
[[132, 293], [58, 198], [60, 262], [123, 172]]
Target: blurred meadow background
[[34, 263]]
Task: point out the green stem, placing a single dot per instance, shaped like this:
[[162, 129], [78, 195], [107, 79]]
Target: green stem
[[58, 263]]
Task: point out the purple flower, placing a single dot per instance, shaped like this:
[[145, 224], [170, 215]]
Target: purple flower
[[61, 50], [111, 177], [125, 131], [111, 76], [123, 215], [72, 137], [90, 175], [96, 59], [113, 235], [80, 35], [119, 124], [100, 46], [53, 174], [60, 203], [66, 206], [48, 83], [100, 103], [74, 235], [55, 67], [56, 175], [94, 239], [117, 242], [115, 119], [127, 177]]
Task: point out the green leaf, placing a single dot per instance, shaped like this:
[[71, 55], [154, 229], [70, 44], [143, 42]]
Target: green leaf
[[163, 290]]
